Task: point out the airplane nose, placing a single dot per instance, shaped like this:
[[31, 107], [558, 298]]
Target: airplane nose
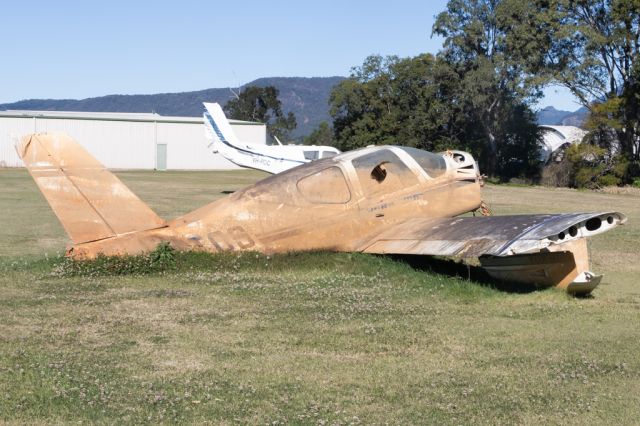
[[465, 166]]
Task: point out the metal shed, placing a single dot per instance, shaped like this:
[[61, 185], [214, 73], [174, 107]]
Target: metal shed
[[557, 137], [127, 140]]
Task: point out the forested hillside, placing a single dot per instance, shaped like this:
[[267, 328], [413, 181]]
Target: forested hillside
[[554, 117], [307, 98]]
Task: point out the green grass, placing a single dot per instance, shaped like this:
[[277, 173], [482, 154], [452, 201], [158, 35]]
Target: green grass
[[308, 338]]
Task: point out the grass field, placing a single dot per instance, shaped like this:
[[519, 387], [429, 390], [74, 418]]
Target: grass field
[[315, 338]]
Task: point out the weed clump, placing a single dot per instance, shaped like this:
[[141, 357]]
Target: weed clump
[[164, 256], [161, 259]]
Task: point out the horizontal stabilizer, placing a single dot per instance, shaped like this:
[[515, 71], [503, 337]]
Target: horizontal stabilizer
[[494, 235], [90, 202]]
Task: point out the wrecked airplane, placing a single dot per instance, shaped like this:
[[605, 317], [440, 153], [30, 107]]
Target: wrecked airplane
[[383, 199]]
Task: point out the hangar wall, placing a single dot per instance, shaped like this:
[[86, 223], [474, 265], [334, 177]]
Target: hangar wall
[[127, 140]]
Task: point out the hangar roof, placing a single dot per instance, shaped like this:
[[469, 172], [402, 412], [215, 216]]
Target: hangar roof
[[113, 116], [555, 137]]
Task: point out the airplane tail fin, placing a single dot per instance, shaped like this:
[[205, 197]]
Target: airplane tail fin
[[217, 127], [90, 202]]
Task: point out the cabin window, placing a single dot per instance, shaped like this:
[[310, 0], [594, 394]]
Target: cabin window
[[328, 186], [382, 172], [329, 154], [434, 164], [310, 155]]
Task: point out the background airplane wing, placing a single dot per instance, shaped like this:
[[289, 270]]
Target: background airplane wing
[[494, 235]]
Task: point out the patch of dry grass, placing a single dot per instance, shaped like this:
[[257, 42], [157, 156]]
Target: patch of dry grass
[[621, 190]]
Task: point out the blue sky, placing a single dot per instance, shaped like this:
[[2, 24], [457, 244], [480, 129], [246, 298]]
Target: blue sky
[[77, 49]]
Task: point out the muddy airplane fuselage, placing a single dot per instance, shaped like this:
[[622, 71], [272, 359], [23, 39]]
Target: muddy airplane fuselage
[[383, 199]]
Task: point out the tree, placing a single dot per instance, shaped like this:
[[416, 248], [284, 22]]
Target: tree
[[631, 105], [518, 151], [494, 87], [262, 104], [323, 135], [389, 100]]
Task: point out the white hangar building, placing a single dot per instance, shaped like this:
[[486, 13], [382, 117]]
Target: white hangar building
[[127, 140]]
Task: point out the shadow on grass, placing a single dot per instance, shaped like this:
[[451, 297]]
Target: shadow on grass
[[458, 269]]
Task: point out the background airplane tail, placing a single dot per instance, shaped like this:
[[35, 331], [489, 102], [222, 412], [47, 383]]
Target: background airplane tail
[[90, 202], [218, 128]]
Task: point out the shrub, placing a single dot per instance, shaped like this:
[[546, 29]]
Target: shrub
[[608, 180], [594, 167], [557, 174], [164, 256]]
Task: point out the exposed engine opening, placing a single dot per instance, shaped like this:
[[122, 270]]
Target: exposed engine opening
[[610, 220], [561, 236], [458, 157], [573, 231], [593, 224], [379, 173]]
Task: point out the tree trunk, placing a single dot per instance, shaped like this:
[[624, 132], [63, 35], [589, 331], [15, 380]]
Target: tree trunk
[[492, 159]]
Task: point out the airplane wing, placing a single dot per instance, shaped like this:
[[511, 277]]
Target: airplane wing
[[493, 235]]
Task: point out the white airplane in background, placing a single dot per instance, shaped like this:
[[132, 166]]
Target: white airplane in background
[[270, 158]]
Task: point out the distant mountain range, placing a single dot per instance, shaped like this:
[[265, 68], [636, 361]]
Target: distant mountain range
[[307, 98], [554, 117]]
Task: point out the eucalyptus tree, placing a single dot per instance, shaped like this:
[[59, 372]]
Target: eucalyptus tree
[[495, 87], [261, 104], [389, 100]]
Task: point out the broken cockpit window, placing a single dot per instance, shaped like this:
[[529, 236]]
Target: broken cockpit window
[[382, 172], [379, 173], [434, 164]]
